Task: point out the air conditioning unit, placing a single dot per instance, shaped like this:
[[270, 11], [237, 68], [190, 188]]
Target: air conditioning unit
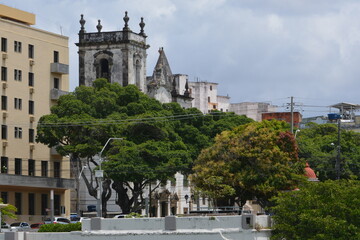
[[4, 55], [32, 118], [32, 62], [5, 143], [5, 114], [4, 85], [32, 90]]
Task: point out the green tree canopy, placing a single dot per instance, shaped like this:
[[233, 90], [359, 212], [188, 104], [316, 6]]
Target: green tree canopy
[[318, 146], [8, 211], [253, 160], [318, 211], [159, 139]]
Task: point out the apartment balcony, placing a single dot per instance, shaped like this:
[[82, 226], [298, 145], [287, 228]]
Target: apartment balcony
[[35, 182], [56, 93], [59, 68]]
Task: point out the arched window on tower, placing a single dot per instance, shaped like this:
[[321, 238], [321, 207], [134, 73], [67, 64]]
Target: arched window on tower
[[104, 69], [137, 74]]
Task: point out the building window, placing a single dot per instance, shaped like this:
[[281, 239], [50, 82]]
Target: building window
[[56, 56], [214, 106], [18, 103], [4, 164], [3, 132], [18, 132], [18, 202], [44, 168], [17, 75], [208, 99], [31, 167], [31, 135], [44, 204], [3, 73], [31, 51], [18, 166], [31, 79], [185, 181], [17, 46], [4, 44], [221, 110], [210, 87], [31, 107], [5, 197], [57, 204], [56, 169], [56, 83], [3, 102], [31, 203]]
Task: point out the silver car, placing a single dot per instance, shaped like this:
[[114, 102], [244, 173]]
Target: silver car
[[19, 226]]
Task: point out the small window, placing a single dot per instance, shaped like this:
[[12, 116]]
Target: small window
[[3, 132], [4, 44], [31, 200], [56, 169], [3, 102], [31, 51], [44, 204], [18, 132], [18, 103], [44, 168], [210, 87], [31, 79], [18, 166], [5, 197], [214, 106], [31, 135], [3, 73], [56, 83], [31, 167], [17, 46], [208, 99], [18, 203], [56, 56], [31, 107], [4, 165], [17, 75]]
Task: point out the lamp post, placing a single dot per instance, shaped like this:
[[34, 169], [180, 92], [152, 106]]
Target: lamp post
[[78, 191], [99, 174], [2, 205]]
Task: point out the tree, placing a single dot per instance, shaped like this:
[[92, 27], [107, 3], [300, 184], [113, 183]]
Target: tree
[[159, 139], [318, 211], [318, 146], [8, 211], [258, 159]]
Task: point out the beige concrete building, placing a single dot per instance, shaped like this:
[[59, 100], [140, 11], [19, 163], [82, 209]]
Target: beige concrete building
[[34, 73]]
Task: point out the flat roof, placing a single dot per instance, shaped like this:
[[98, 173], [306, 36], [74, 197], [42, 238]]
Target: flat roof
[[346, 106], [17, 15]]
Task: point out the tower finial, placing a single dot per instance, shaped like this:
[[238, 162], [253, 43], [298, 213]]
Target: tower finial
[[82, 23], [126, 20], [99, 26], [142, 25], [187, 93]]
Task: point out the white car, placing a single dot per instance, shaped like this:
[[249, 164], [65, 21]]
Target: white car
[[60, 220], [19, 226]]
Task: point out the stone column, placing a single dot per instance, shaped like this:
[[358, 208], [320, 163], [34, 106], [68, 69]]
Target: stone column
[[158, 209], [169, 206]]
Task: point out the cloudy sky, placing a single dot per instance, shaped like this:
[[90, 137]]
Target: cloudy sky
[[257, 50]]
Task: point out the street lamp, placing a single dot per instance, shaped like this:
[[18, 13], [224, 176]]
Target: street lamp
[[99, 174]]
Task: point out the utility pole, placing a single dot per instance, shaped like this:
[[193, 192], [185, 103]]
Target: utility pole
[[338, 156], [292, 113]]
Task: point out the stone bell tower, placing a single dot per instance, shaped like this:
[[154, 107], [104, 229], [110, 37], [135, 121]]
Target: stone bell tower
[[119, 56]]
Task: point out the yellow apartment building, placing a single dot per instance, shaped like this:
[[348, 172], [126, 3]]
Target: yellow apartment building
[[34, 73]]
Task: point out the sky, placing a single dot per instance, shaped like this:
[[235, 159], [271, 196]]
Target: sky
[[257, 50]]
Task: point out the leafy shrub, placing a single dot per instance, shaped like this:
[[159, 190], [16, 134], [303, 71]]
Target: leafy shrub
[[60, 227], [134, 215]]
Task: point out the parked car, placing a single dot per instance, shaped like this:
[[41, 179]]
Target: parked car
[[120, 216], [60, 220], [5, 225], [77, 219], [19, 226], [36, 225]]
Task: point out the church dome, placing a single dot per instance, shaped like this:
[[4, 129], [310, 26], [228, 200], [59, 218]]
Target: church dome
[[309, 173]]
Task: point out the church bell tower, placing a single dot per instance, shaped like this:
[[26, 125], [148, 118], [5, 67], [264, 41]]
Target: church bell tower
[[119, 56]]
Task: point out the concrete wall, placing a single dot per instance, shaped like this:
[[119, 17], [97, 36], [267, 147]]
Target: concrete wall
[[169, 228]]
